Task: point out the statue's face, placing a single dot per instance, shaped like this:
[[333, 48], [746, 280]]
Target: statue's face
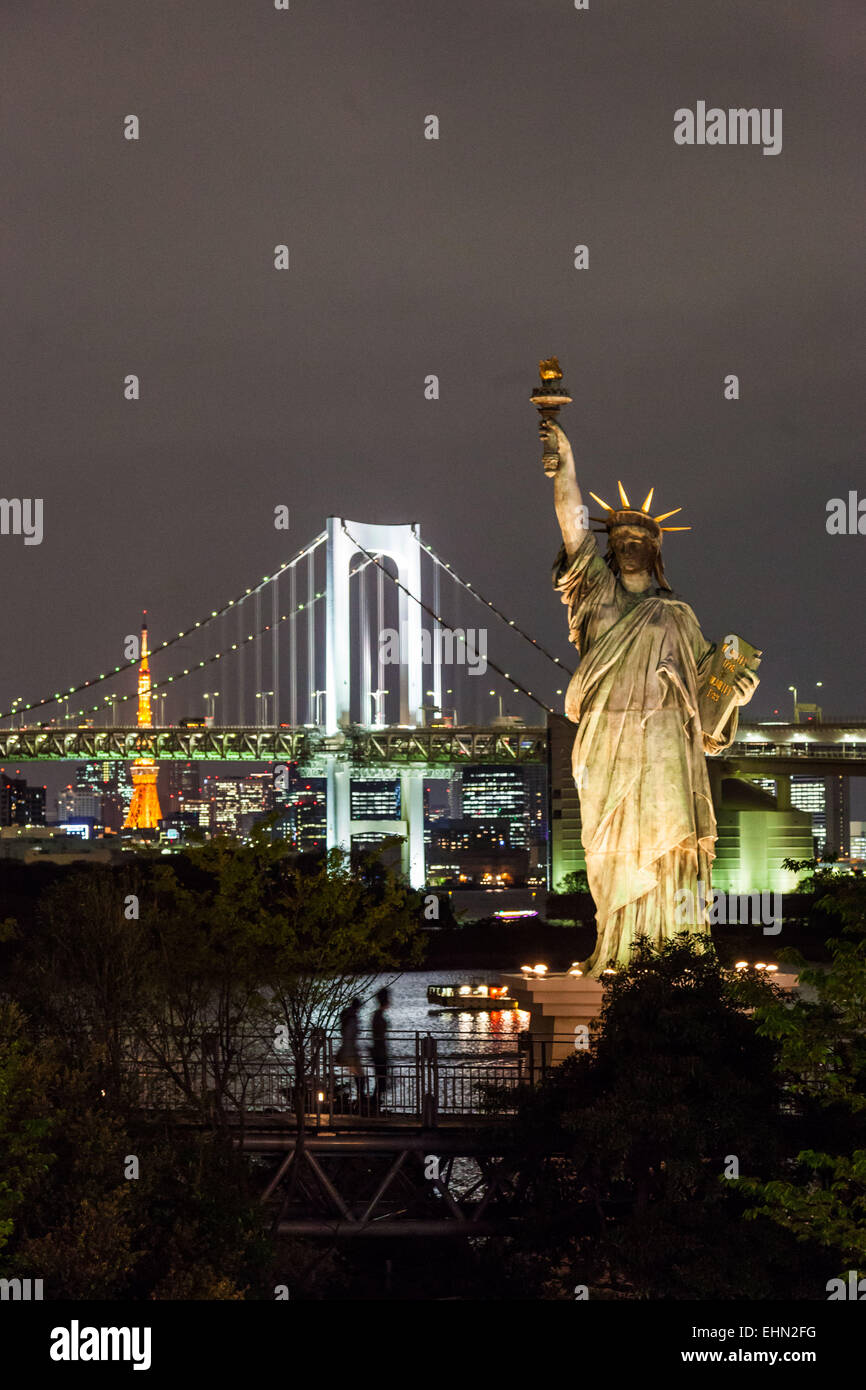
[[633, 548]]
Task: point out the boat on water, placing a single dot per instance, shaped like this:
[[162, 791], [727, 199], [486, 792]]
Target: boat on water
[[477, 995]]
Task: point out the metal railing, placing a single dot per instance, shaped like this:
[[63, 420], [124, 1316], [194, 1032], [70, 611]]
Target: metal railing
[[423, 1087], [803, 749]]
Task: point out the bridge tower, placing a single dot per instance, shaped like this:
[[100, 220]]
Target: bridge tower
[[144, 812], [401, 543]]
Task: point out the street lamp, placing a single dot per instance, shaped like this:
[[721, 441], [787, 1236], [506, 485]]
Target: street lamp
[[264, 696], [315, 696], [499, 698], [377, 696], [210, 695]]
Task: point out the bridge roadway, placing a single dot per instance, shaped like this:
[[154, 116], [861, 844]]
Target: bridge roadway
[[761, 750], [396, 746]]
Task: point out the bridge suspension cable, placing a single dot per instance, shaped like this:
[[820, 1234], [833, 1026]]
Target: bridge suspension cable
[[430, 612], [510, 622], [295, 611], [204, 622], [236, 647]]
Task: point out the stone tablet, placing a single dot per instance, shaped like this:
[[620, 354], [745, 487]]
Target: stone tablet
[[717, 696]]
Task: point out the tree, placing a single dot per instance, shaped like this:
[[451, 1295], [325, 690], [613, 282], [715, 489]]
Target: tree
[[208, 968], [636, 1144], [81, 971], [339, 928], [231, 939], [575, 881], [821, 1038], [25, 1119]]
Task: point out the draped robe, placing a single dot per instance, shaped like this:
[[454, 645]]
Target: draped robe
[[648, 825]]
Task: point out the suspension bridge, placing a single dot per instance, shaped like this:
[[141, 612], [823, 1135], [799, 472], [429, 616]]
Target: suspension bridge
[[328, 663], [342, 661]]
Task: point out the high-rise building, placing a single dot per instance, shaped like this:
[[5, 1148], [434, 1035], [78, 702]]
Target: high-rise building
[[304, 823], [311, 824], [437, 807], [199, 809], [117, 792], [20, 804], [838, 815], [375, 799], [496, 793], [237, 801], [537, 823], [826, 800], [303, 820], [181, 780], [102, 790], [518, 795]]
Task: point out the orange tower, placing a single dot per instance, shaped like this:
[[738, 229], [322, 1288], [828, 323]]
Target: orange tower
[[144, 812]]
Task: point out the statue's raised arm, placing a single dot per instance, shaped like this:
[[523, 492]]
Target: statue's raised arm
[[570, 510]]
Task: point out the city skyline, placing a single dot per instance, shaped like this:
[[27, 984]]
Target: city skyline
[[430, 872], [762, 281]]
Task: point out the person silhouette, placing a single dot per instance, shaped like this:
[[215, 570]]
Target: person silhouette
[[379, 1051], [348, 1055]]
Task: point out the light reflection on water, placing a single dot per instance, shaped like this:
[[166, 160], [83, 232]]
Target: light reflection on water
[[466, 1033]]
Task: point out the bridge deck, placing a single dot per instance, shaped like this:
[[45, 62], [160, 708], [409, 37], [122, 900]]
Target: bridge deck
[[761, 749]]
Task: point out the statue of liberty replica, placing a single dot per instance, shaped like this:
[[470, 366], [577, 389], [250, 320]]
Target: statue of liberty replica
[[639, 701]]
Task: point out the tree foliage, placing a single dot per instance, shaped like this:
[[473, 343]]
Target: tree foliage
[[650, 1130], [821, 1039], [229, 941]]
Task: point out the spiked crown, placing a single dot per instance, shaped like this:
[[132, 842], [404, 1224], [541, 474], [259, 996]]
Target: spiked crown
[[627, 515]]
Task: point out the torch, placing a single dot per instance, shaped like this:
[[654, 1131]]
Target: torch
[[548, 397]]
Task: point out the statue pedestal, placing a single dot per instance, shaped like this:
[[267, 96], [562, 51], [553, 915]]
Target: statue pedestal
[[557, 1004]]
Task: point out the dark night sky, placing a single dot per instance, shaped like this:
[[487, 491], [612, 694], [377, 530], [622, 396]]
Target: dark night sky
[[411, 257]]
